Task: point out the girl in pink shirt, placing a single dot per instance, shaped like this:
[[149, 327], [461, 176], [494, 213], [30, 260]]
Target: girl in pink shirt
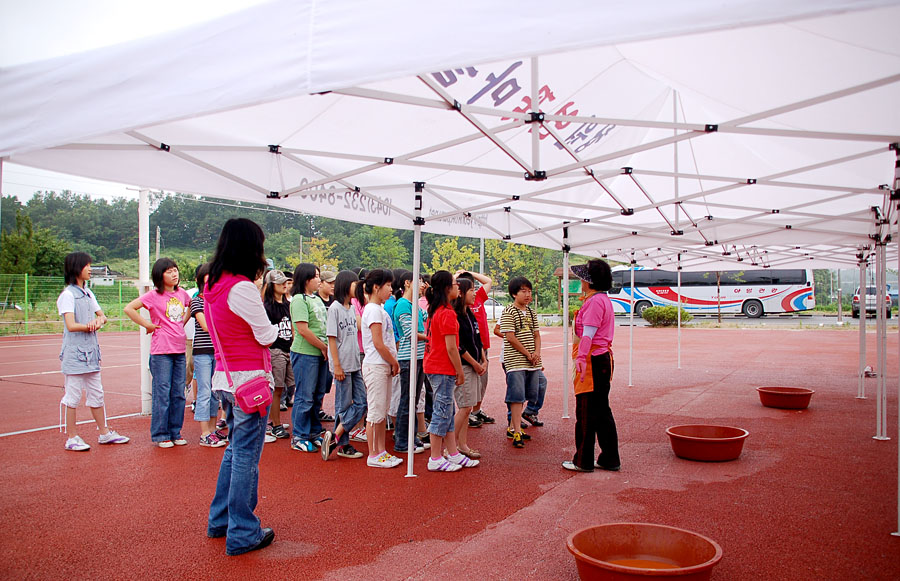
[[169, 308]]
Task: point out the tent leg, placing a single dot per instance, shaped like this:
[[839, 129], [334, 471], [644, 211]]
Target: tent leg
[[565, 313], [679, 310], [861, 386], [413, 347], [631, 327], [881, 336], [896, 188], [144, 286]]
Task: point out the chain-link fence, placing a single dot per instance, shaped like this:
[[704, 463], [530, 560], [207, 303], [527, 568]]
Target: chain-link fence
[[28, 303]]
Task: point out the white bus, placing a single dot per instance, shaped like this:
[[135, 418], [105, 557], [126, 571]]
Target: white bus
[[751, 292]]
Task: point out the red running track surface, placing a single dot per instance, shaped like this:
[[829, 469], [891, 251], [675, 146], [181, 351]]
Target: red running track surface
[[813, 496]]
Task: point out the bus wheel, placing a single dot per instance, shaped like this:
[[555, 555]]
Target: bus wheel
[[752, 309], [640, 307]]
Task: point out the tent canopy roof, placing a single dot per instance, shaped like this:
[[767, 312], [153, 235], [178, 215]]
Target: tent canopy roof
[[660, 129]]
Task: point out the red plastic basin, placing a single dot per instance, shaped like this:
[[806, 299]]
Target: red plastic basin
[[789, 398], [621, 551], [707, 443]]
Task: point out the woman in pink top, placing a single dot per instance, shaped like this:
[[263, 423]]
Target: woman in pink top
[[169, 308], [594, 326]]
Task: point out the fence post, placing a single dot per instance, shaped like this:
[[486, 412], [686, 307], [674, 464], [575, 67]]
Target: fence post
[[120, 313], [26, 303]]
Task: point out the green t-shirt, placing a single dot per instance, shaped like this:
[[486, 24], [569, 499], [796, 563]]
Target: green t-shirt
[[311, 310]]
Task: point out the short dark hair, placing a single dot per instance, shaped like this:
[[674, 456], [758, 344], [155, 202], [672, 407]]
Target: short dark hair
[[517, 284], [465, 285], [342, 284], [74, 264], [466, 275], [305, 272], [601, 275], [240, 250], [200, 274], [159, 269], [378, 277]]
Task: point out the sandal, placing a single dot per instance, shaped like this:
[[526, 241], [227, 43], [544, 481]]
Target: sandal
[[471, 453]]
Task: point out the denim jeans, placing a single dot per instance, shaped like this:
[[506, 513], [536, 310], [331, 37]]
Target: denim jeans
[[231, 510], [401, 428], [444, 409], [349, 403], [167, 412], [310, 376], [207, 405], [534, 406]]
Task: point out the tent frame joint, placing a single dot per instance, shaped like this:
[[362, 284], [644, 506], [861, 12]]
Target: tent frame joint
[[275, 149], [536, 176], [627, 211], [273, 195], [535, 117], [711, 128]]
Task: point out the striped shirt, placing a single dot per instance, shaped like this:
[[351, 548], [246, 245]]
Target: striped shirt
[[524, 324], [202, 342]]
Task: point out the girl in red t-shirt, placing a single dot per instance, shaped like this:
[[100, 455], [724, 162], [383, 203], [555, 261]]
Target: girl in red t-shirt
[[444, 370]]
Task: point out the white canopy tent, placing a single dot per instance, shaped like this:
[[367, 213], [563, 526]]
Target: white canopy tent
[[746, 134]]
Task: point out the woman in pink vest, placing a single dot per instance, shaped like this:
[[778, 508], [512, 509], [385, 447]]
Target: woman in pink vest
[[243, 334]]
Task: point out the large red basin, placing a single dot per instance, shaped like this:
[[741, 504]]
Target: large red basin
[[621, 551], [789, 398], [707, 443]]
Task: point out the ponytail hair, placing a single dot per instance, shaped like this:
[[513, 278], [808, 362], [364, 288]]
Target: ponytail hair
[[441, 282], [377, 277]]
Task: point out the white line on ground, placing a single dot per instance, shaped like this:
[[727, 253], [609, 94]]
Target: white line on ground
[[60, 372], [57, 427]]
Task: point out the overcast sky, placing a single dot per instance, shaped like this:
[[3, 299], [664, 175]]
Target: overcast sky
[[32, 30]]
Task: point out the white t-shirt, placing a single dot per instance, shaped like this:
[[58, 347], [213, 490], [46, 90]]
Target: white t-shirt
[[376, 314], [189, 327], [66, 301]]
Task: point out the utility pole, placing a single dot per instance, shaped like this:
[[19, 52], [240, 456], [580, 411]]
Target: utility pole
[[157, 243]]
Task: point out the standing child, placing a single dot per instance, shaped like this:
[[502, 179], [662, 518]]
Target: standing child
[[444, 369], [350, 391], [168, 306], [474, 364], [206, 408], [278, 309], [403, 320], [379, 367], [521, 355], [80, 354], [478, 416], [309, 358]]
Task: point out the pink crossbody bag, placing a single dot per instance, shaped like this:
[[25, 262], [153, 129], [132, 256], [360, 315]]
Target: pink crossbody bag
[[254, 396]]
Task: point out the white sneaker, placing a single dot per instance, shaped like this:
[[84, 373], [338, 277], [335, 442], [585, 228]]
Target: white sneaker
[[166, 444], [113, 437], [442, 465], [395, 461], [270, 438], [180, 442], [76, 444], [463, 460], [358, 435], [380, 461]]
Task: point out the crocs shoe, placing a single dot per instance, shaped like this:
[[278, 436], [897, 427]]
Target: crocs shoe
[[112, 437], [76, 444]]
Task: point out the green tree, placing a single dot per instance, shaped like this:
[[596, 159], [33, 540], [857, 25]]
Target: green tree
[[8, 208], [31, 250], [448, 255], [384, 249]]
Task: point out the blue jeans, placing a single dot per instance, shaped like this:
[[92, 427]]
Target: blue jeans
[[167, 412], [522, 385], [349, 403], [401, 427], [444, 408], [207, 405], [231, 510], [534, 405], [310, 376]]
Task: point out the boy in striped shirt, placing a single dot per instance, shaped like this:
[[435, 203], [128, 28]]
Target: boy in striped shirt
[[521, 355]]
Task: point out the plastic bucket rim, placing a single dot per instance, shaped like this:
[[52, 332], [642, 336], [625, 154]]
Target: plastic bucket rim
[[745, 433], [801, 391], [642, 571]]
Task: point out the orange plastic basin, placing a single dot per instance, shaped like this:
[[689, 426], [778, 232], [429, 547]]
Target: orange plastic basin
[[620, 551], [707, 443], [789, 398]]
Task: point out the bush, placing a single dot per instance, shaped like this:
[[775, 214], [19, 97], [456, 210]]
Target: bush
[[665, 316]]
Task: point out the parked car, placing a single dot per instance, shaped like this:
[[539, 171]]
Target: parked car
[[494, 309], [871, 302]]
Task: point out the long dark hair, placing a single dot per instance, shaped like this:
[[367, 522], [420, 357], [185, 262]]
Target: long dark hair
[[240, 250], [397, 286], [436, 294], [199, 275], [459, 305], [74, 264], [159, 269], [377, 277], [304, 273], [342, 283]]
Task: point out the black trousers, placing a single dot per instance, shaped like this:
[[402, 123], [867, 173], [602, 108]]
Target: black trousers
[[594, 419]]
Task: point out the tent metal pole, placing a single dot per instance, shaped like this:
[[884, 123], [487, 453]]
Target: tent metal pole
[[896, 148], [679, 311], [675, 150], [631, 327], [881, 330], [535, 108], [481, 256], [861, 386], [418, 221], [144, 286], [566, 351]]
